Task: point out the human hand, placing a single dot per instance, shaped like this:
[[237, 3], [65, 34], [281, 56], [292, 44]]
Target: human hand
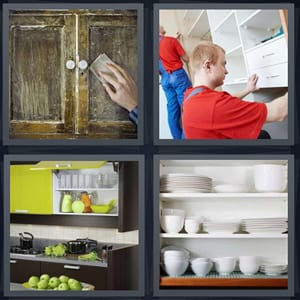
[[124, 91], [251, 84]]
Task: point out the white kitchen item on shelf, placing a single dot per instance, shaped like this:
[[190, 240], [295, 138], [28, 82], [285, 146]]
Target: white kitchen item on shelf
[[74, 181], [166, 249], [225, 265], [231, 188], [199, 259], [62, 181], [221, 227], [88, 181], [185, 183], [191, 225], [171, 223], [175, 267], [81, 181], [265, 225], [172, 212], [270, 178], [68, 181], [249, 265], [273, 269], [201, 268]]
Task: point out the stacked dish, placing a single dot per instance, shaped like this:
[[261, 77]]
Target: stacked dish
[[273, 269], [186, 183], [265, 225], [174, 260], [221, 227]]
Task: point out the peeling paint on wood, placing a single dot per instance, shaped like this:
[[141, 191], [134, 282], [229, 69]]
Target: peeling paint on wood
[[42, 91]]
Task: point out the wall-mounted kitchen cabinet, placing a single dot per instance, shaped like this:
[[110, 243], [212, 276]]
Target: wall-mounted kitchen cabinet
[[226, 193], [30, 191], [52, 92], [39, 189], [254, 43]]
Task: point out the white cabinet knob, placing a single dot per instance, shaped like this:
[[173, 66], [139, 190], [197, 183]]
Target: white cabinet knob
[[70, 64], [83, 64]]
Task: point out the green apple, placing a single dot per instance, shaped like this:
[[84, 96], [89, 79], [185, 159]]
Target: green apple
[[42, 284], [33, 281], [63, 278], [45, 277], [75, 285], [70, 281], [53, 282], [63, 286]]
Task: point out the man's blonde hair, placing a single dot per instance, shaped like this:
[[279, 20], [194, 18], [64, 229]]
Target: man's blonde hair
[[203, 51]]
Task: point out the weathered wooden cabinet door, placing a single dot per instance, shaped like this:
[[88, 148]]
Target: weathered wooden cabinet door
[[49, 100], [41, 87], [113, 33]]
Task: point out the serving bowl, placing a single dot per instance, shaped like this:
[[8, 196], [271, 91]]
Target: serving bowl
[[171, 223]]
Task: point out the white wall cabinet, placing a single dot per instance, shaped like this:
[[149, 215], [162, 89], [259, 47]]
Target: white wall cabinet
[[227, 206], [246, 37], [80, 180]]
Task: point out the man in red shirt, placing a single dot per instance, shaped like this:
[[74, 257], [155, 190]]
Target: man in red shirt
[[174, 79], [210, 114]]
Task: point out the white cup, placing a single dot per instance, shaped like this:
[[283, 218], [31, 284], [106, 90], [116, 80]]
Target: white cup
[[81, 181], [62, 181], [88, 181], [270, 178], [225, 265], [191, 225], [249, 265], [74, 181], [68, 181]]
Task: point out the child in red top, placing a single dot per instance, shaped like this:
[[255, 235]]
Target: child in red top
[[209, 114]]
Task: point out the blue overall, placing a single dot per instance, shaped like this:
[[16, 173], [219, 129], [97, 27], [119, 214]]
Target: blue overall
[[174, 85]]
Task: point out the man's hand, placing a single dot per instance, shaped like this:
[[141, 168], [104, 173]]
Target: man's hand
[[251, 84], [125, 89]]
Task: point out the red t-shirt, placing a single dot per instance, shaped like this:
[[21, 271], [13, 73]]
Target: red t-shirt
[[170, 52], [218, 115]]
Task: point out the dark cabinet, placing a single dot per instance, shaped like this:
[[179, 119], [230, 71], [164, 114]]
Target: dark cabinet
[[96, 276], [21, 270], [49, 99]]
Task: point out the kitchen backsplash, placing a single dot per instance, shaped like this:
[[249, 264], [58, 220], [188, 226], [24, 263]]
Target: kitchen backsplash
[[105, 235]]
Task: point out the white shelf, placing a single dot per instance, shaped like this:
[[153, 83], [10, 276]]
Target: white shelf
[[200, 26], [221, 236], [262, 19], [230, 162], [88, 214], [191, 196]]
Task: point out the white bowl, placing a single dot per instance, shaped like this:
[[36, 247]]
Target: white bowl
[[231, 188], [249, 265], [176, 248], [270, 178], [191, 225], [172, 212], [225, 265], [171, 224], [175, 267], [199, 259], [201, 268]]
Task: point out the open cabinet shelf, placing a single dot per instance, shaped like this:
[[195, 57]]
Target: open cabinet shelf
[[236, 280]]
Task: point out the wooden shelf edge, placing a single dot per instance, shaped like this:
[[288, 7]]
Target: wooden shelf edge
[[224, 282]]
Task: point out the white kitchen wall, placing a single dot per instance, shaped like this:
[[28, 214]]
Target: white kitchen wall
[[103, 235]]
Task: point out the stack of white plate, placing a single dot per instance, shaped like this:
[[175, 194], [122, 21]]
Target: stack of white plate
[[273, 269], [265, 225], [174, 260], [189, 183], [221, 227]]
